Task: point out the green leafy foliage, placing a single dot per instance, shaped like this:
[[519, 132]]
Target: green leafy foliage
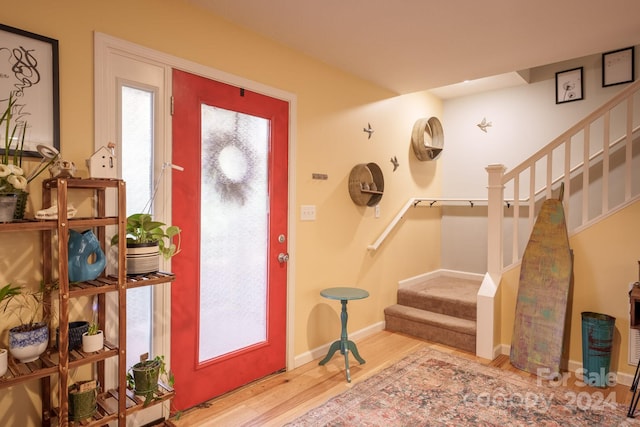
[[141, 228], [150, 366], [9, 291], [93, 329], [27, 306]]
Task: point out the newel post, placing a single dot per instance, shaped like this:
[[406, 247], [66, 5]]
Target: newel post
[[488, 310], [495, 212]]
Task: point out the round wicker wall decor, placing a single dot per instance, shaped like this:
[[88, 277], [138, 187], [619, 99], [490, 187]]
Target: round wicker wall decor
[[427, 139], [366, 184]]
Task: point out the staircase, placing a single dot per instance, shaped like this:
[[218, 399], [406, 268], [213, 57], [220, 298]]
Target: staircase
[[597, 161], [441, 309]]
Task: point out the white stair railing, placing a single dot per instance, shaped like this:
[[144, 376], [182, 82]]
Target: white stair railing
[[563, 160], [595, 150]]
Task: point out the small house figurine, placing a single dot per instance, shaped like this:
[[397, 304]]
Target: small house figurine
[[102, 164]]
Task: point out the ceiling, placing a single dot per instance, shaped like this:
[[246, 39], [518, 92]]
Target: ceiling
[[413, 45]]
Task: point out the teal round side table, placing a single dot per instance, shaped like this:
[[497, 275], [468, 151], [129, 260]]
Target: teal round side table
[[344, 294]]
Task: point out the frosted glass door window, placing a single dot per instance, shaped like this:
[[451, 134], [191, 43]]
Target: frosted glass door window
[[234, 212], [137, 157]]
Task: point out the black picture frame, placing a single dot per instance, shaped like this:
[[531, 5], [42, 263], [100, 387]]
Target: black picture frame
[[569, 85], [618, 67], [29, 69]]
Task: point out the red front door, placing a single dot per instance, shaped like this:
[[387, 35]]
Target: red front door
[[228, 303]]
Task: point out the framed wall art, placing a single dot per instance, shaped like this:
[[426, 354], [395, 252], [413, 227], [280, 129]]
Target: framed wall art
[[29, 72], [569, 85], [618, 67]]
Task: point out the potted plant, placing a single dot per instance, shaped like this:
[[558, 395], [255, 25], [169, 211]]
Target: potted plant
[[13, 182], [143, 377], [146, 241], [6, 292], [82, 400], [93, 339], [76, 330], [30, 338]]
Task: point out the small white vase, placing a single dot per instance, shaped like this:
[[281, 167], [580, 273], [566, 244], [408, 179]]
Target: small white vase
[[7, 206], [92, 343], [4, 360]]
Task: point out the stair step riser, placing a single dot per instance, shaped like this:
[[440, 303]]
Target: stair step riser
[[430, 332], [424, 301], [441, 309]]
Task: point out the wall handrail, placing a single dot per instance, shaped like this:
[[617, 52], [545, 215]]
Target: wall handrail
[[416, 201]]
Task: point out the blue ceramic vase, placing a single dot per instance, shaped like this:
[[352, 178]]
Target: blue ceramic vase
[[81, 247]]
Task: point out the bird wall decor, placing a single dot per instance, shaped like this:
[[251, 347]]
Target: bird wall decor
[[368, 130], [395, 163], [483, 125]]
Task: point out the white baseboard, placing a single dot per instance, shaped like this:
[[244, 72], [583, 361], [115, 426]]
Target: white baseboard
[[501, 349], [321, 351]]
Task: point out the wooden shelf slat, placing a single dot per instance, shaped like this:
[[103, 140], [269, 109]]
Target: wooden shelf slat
[[107, 405], [149, 279], [89, 184], [47, 364]]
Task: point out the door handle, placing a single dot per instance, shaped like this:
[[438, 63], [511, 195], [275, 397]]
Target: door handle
[[282, 258]]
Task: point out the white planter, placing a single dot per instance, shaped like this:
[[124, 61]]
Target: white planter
[[142, 258], [4, 360], [92, 343], [28, 346], [7, 206]]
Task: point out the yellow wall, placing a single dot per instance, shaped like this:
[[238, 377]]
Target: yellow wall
[[605, 262], [333, 107]]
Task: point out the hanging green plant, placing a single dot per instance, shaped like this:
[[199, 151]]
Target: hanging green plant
[[141, 228]]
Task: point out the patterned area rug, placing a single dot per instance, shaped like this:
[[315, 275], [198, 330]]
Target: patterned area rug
[[431, 388]]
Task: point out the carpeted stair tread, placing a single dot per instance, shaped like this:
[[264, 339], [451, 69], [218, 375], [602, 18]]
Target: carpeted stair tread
[[443, 294], [440, 309]]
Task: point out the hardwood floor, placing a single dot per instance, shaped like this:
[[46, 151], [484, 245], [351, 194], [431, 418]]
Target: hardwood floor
[[279, 398]]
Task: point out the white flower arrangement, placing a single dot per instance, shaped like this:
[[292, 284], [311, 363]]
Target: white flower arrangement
[[12, 176]]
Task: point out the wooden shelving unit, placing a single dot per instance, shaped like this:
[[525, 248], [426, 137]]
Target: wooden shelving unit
[[59, 361]]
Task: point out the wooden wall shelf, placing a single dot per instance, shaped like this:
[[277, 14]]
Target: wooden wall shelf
[[366, 184], [59, 361], [108, 403]]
